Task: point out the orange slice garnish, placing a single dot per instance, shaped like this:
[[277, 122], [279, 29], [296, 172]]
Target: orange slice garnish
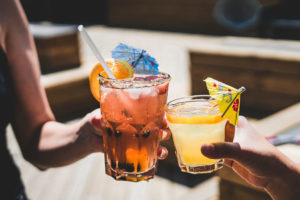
[[120, 68]]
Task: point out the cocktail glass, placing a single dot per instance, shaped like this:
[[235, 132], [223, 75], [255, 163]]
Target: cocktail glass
[[133, 111], [196, 120]]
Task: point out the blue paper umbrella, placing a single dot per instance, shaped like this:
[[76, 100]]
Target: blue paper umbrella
[[139, 59]]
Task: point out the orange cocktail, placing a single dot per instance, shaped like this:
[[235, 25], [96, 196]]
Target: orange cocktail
[[195, 121]]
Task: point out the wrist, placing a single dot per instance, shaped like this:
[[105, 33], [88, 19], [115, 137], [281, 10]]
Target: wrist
[[85, 138]]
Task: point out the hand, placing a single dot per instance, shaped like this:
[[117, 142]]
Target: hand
[[164, 134], [253, 158], [91, 131], [99, 128]]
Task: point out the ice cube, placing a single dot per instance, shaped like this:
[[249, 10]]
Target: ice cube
[[134, 93], [149, 91]]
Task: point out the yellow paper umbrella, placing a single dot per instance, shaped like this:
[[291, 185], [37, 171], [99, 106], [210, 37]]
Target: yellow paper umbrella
[[228, 98]]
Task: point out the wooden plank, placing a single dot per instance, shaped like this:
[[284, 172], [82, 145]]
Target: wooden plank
[[256, 97], [247, 62], [284, 120], [71, 99], [271, 84], [57, 46], [267, 81]]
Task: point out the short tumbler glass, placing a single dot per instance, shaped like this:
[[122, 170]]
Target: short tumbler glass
[[194, 121]]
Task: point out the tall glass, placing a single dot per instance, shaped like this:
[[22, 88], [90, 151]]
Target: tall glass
[[196, 120], [133, 111]]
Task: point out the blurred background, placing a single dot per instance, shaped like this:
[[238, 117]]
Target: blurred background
[[264, 18], [251, 43]]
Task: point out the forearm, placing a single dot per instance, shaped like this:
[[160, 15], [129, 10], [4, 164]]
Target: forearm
[[59, 144]]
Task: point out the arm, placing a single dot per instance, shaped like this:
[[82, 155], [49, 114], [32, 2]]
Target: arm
[[43, 141], [253, 158]]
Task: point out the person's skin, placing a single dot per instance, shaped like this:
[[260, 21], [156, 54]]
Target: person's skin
[[257, 161], [43, 141]]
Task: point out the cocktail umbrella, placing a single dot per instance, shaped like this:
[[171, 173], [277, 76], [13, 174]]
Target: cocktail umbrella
[[227, 97], [139, 59]]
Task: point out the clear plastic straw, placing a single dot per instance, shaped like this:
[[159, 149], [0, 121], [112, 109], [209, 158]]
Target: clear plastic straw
[[95, 51]]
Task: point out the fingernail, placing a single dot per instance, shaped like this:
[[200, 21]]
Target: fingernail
[[159, 151], [95, 121], [208, 149], [165, 124]]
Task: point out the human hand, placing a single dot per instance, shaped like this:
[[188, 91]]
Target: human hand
[[253, 158], [164, 134], [91, 131]]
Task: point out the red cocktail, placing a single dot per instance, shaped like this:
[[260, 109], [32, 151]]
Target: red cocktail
[[133, 110]]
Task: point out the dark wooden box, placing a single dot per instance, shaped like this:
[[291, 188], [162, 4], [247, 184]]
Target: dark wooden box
[[57, 46]]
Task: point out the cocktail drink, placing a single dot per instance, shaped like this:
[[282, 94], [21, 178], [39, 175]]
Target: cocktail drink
[[132, 94], [194, 121], [133, 111]]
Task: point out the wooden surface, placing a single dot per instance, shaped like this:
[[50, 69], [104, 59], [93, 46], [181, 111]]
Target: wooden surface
[[284, 120]]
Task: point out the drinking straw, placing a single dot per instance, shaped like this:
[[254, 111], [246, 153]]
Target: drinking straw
[[95, 51]]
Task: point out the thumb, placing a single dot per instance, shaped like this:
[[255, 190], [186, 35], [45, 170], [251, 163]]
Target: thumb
[[222, 150]]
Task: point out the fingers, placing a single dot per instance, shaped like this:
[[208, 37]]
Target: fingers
[[164, 134], [242, 121], [221, 150], [162, 152], [228, 162], [99, 144], [165, 123], [98, 123]]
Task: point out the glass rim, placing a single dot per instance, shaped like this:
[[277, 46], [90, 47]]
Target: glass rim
[[163, 78], [169, 107]]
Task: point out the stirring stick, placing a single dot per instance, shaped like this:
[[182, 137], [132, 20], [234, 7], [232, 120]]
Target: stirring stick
[[95, 51]]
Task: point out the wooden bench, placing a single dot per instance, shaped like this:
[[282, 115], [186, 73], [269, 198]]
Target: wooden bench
[[68, 92], [57, 46]]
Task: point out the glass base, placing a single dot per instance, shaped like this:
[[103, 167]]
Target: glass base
[[204, 169], [129, 176]]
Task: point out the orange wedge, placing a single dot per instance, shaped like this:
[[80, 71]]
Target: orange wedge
[[120, 68]]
